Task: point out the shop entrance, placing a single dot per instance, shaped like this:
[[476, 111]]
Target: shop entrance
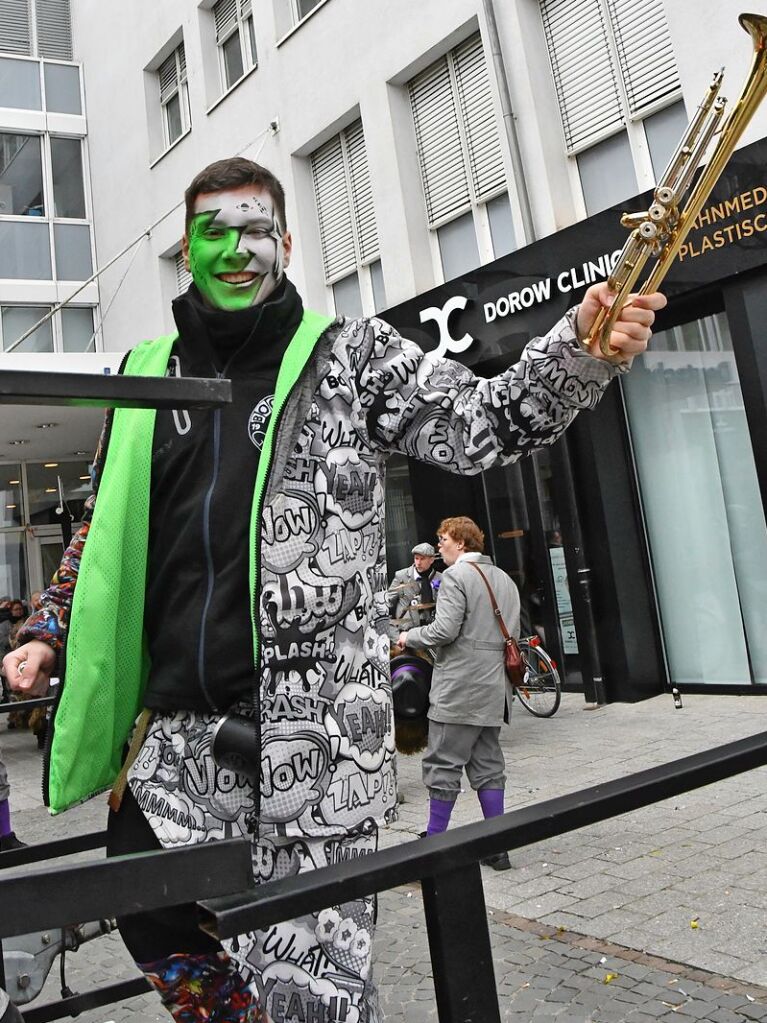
[[516, 508]]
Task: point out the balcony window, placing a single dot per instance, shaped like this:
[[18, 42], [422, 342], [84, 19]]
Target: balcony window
[[17, 319], [76, 329], [62, 88], [73, 252], [20, 84], [21, 175], [68, 192], [25, 250]]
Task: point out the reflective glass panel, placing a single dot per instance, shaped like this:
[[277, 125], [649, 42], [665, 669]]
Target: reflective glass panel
[[458, 246], [347, 297], [664, 130], [377, 280], [68, 192], [25, 250], [44, 481], [607, 173], [62, 89], [252, 41], [10, 498], [76, 328], [17, 319], [704, 515], [20, 84], [232, 58], [13, 566], [21, 175], [304, 6], [173, 118], [73, 252], [501, 226]]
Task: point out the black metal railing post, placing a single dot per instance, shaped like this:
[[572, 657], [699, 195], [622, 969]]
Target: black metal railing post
[[456, 921]]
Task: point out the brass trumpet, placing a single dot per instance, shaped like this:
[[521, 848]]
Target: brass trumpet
[[661, 230]]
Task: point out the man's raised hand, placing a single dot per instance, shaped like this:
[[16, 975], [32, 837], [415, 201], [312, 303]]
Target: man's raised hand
[[632, 329]]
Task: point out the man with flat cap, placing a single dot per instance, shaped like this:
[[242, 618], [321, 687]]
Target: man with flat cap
[[412, 592]]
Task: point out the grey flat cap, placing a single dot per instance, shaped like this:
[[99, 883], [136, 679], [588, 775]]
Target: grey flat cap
[[424, 548]]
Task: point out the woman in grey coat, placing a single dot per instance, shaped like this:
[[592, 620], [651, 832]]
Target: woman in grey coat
[[468, 689]]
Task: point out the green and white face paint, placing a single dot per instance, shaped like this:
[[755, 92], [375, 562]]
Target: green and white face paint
[[236, 249]]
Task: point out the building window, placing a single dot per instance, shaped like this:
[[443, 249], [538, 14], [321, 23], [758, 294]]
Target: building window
[[67, 168], [236, 39], [174, 97], [35, 218], [69, 330], [39, 29], [21, 175], [348, 230], [302, 7], [461, 160], [615, 84], [183, 277]]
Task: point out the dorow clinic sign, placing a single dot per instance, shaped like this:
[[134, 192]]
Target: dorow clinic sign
[[490, 312]]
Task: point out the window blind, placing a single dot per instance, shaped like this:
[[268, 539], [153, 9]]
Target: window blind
[[54, 29], [645, 53], [361, 192], [438, 143], [171, 73], [584, 75], [478, 117], [225, 17], [14, 27], [183, 277], [457, 142], [344, 199]]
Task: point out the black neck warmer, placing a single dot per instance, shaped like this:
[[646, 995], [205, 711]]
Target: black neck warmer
[[260, 332]]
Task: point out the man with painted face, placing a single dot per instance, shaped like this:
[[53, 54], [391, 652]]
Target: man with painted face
[[234, 561]]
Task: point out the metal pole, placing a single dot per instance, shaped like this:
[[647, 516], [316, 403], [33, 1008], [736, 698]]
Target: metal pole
[[509, 121], [459, 944], [575, 558]]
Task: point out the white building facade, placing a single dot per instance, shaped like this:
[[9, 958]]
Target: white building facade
[[385, 123]]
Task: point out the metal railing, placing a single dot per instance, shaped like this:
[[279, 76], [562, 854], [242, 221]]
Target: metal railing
[[447, 867]]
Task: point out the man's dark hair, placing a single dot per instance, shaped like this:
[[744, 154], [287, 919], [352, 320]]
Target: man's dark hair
[[235, 172]]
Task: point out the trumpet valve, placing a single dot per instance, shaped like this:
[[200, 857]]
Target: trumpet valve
[[657, 212], [664, 195], [648, 231]]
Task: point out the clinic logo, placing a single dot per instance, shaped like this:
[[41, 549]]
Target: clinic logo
[[441, 316]]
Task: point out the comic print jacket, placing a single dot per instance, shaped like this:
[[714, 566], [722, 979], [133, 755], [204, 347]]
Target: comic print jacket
[[326, 728]]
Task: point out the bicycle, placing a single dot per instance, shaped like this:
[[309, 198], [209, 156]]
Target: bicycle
[[541, 690]]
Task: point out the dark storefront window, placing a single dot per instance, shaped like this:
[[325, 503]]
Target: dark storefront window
[[704, 517]]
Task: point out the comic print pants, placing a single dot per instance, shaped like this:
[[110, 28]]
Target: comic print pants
[[317, 968]]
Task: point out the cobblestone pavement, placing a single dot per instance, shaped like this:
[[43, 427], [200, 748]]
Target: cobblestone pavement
[[655, 915]]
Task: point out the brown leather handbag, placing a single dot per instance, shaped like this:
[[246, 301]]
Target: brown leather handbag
[[512, 655]]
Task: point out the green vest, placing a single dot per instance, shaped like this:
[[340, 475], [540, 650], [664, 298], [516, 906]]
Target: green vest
[[107, 663]]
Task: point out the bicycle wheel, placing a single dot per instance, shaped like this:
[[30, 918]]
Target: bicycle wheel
[[541, 692]]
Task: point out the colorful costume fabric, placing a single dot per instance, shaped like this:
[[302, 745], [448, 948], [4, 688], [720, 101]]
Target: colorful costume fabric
[[321, 695]]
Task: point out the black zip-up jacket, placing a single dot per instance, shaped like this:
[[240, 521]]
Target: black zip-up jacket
[[204, 465]]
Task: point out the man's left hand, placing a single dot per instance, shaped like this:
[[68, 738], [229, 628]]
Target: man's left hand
[[632, 329], [402, 640]]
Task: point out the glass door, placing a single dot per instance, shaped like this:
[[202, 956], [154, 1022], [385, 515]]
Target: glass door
[[703, 511]]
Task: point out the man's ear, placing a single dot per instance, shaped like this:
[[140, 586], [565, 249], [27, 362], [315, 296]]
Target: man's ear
[[287, 248], [185, 252]]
